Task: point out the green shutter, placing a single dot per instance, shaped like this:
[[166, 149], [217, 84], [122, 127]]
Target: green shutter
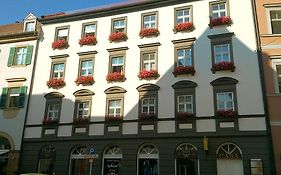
[[11, 56], [28, 55], [22, 96], [3, 99]]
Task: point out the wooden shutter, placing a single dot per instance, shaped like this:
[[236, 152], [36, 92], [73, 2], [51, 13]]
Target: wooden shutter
[[29, 55], [4, 97], [22, 96], [11, 56]]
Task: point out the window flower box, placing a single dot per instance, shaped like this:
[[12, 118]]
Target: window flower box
[[110, 118], [59, 44], [224, 20], [226, 113], [149, 32], [85, 80], [184, 115], [181, 70], [183, 27], [80, 120], [48, 121], [222, 66], [115, 77], [148, 74], [117, 37], [55, 83], [88, 40], [146, 116]]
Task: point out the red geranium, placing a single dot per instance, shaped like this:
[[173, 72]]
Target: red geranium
[[59, 44], [117, 36], [180, 70], [115, 76], [183, 27], [145, 116], [226, 113], [85, 80], [148, 32], [110, 118], [88, 40], [81, 120], [224, 65], [224, 20], [148, 74], [184, 115], [49, 121], [55, 83]]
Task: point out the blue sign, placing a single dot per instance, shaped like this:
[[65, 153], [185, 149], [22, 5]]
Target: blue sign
[[92, 151]]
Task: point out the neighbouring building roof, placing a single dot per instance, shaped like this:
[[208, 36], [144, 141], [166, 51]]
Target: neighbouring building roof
[[10, 29]]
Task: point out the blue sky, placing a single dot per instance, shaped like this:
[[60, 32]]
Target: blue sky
[[15, 10]]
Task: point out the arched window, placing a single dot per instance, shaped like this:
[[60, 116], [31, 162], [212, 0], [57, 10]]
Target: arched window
[[229, 160], [148, 160], [46, 160], [78, 164], [187, 160], [112, 160]]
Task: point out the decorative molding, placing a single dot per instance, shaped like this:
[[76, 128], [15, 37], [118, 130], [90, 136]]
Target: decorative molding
[[83, 92], [224, 35], [184, 84], [87, 53], [148, 87], [272, 5], [149, 45], [11, 80], [54, 95], [59, 56], [117, 49], [224, 81], [115, 90], [187, 40]]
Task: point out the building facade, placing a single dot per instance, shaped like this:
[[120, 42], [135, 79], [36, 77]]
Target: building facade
[[17, 51], [148, 87], [269, 26]]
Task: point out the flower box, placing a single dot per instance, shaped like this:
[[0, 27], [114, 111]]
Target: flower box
[[226, 113], [59, 44], [224, 20], [88, 40], [224, 65], [149, 32], [81, 120], [110, 118], [184, 115], [85, 80], [183, 27], [148, 74], [184, 70], [55, 83], [146, 116], [115, 77], [48, 121], [117, 37]]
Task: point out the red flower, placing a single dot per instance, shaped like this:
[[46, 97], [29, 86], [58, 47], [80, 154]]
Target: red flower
[[148, 74], [88, 40], [148, 32], [224, 65], [226, 113], [183, 27], [59, 44], [81, 120], [183, 70], [115, 76], [110, 118], [117, 36], [49, 121], [55, 83], [85, 80], [184, 115], [224, 20], [145, 116]]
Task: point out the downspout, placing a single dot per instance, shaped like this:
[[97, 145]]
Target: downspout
[[30, 90], [262, 79]]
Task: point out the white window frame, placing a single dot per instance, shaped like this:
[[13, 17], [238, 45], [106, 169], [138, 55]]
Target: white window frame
[[115, 114], [58, 72], [56, 110], [118, 27], [183, 17], [225, 102], [20, 56], [150, 61], [28, 28], [117, 64], [148, 105], [219, 11], [87, 68], [276, 62], [185, 103], [184, 57], [64, 35], [86, 33], [83, 109], [150, 21], [222, 53], [268, 9]]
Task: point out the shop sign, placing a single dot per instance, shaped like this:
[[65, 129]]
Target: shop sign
[[111, 166]]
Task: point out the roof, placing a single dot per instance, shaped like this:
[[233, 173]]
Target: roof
[[10, 29]]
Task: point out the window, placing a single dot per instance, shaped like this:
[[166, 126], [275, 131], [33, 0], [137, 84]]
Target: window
[[148, 105], [185, 103], [183, 15], [115, 102], [184, 57], [275, 20], [276, 63], [53, 106], [119, 25], [149, 61], [89, 29], [225, 101], [116, 67], [117, 64], [83, 109], [20, 56], [58, 70], [30, 26], [114, 107], [62, 33], [13, 97], [53, 111], [148, 160], [256, 167], [46, 160], [218, 9], [83, 103], [112, 157], [86, 67], [149, 20], [221, 52]]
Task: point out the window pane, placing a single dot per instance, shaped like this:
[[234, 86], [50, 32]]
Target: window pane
[[30, 26], [90, 28], [62, 32], [276, 27]]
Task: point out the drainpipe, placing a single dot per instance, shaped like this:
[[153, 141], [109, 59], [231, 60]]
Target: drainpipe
[[262, 79]]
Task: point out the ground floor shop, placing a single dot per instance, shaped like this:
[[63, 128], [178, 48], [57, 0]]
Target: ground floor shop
[[148, 156]]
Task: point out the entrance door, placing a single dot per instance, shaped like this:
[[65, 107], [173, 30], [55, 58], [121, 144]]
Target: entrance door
[[230, 167], [80, 167], [186, 167]]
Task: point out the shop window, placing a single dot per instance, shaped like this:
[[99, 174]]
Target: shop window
[[47, 160], [148, 160], [112, 157]]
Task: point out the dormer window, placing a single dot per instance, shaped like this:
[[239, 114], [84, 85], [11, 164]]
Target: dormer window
[[29, 26], [29, 23]]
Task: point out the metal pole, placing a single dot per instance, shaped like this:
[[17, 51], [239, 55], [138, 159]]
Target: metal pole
[[91, 165]]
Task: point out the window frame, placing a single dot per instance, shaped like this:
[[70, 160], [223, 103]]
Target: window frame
[[26, 25], [150, 14], [149, 48], [225, 101], [48, 111], [79, 100], [61, 28], [117, 52], [57, 61], [16, 56], [276, 62], [55, 100], [86, 24], [183, 44], [16, 95], [227, 7], [119, 19], [189, 7], [185, 103], [269, 24]]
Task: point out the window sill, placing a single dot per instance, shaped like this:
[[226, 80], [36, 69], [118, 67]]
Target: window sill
[[270, 35], [20, 65]]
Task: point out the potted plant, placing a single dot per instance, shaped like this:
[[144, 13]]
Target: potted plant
[[149, 32], [146, 116], [111, 118], [224, 20], [50, 121], [224, 65], [60, 44], [115, 77], [117, 37], [85, 80], [226, 113], [181, 70], [148, 74], [183, 27], [88, 40], [55, 83]]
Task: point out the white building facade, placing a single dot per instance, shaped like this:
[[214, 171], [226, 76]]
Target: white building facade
[[156, 87]]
